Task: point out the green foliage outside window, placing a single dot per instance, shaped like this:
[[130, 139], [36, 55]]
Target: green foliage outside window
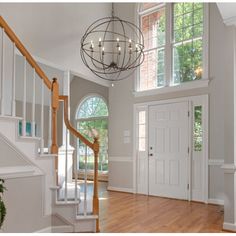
[[92, 117], [187, 50], [197, 135]]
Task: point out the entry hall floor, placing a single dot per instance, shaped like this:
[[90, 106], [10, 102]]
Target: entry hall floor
[[134, 213]]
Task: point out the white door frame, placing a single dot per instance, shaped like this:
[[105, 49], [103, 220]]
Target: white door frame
[[203, 99]]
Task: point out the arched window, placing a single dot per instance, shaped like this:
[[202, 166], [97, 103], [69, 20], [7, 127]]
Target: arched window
[[92, 114]]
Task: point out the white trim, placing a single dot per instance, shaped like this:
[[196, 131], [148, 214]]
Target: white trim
[[203, 99], [174, 88], [126, 190], [216, 162], [13, 172], [229, 168], [119, 159], [83, 99], [205, 39], [216, 201], [16, 150], [150, 10], [229, 226], [57, 229]]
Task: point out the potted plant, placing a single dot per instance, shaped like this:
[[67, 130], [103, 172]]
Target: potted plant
[[2, 205]]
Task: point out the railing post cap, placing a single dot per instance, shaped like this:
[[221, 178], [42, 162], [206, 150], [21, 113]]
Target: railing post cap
[[54, 79]]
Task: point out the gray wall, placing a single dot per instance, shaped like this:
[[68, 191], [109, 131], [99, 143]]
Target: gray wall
[[121, 101], [24, 206]]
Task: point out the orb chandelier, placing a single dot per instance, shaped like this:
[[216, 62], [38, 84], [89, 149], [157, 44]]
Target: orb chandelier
[[112, 48]]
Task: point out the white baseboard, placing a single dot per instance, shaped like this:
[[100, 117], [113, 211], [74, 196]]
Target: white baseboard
[[127, 190], [57, 229], [229, 226], [216, 201]]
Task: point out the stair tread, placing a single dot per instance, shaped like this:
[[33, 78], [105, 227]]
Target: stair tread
[[11, 117]]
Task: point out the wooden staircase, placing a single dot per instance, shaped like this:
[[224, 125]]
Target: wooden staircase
[[65, 199]]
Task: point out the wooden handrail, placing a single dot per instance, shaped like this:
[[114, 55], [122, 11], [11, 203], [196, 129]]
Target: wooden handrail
[[70, 127], [24, 52], [95, 147]]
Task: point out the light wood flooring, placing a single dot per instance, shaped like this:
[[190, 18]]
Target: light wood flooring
[[133, 213]]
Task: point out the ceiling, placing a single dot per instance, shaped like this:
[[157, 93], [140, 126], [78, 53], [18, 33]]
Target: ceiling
[[228, 12], [52, 31]]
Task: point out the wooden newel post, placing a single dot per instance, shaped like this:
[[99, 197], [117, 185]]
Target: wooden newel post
[[55, 106], [95, 190]]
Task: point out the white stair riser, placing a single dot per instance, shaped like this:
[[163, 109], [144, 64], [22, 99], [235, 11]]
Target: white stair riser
[[10, 129]]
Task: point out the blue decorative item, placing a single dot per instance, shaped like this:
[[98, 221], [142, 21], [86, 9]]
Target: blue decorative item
[[28, 129]]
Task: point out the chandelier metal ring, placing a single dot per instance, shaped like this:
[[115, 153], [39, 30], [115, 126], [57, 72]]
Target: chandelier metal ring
[[112, 48]]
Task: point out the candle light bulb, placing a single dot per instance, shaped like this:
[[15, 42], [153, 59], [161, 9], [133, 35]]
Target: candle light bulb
[[130, 43], [100, 42], [118, 45], [103, 49], [119, 49], [91, 46]]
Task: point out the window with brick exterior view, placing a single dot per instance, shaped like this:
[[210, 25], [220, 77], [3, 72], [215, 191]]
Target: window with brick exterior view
[[152, 70], [173, 40]]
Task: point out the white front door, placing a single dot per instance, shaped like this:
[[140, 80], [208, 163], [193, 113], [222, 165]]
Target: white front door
[[168, 150]]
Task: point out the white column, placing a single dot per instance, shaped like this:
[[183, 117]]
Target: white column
[[13, 106], [42, 118], [66, 92], [2, 73], [66, 136], [24, 101], [33, 105]]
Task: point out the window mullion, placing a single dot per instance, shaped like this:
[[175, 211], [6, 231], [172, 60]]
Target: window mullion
[[168, 48]]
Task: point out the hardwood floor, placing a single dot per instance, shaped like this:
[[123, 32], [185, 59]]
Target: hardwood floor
[[133, 213]]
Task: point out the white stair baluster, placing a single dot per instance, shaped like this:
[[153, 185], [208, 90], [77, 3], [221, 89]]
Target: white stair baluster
[[85, 180], [50, 127], [33, 106], [13, 106], [66, 165], [2, 73], [42, 118], [76, 176], [24, 101]]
